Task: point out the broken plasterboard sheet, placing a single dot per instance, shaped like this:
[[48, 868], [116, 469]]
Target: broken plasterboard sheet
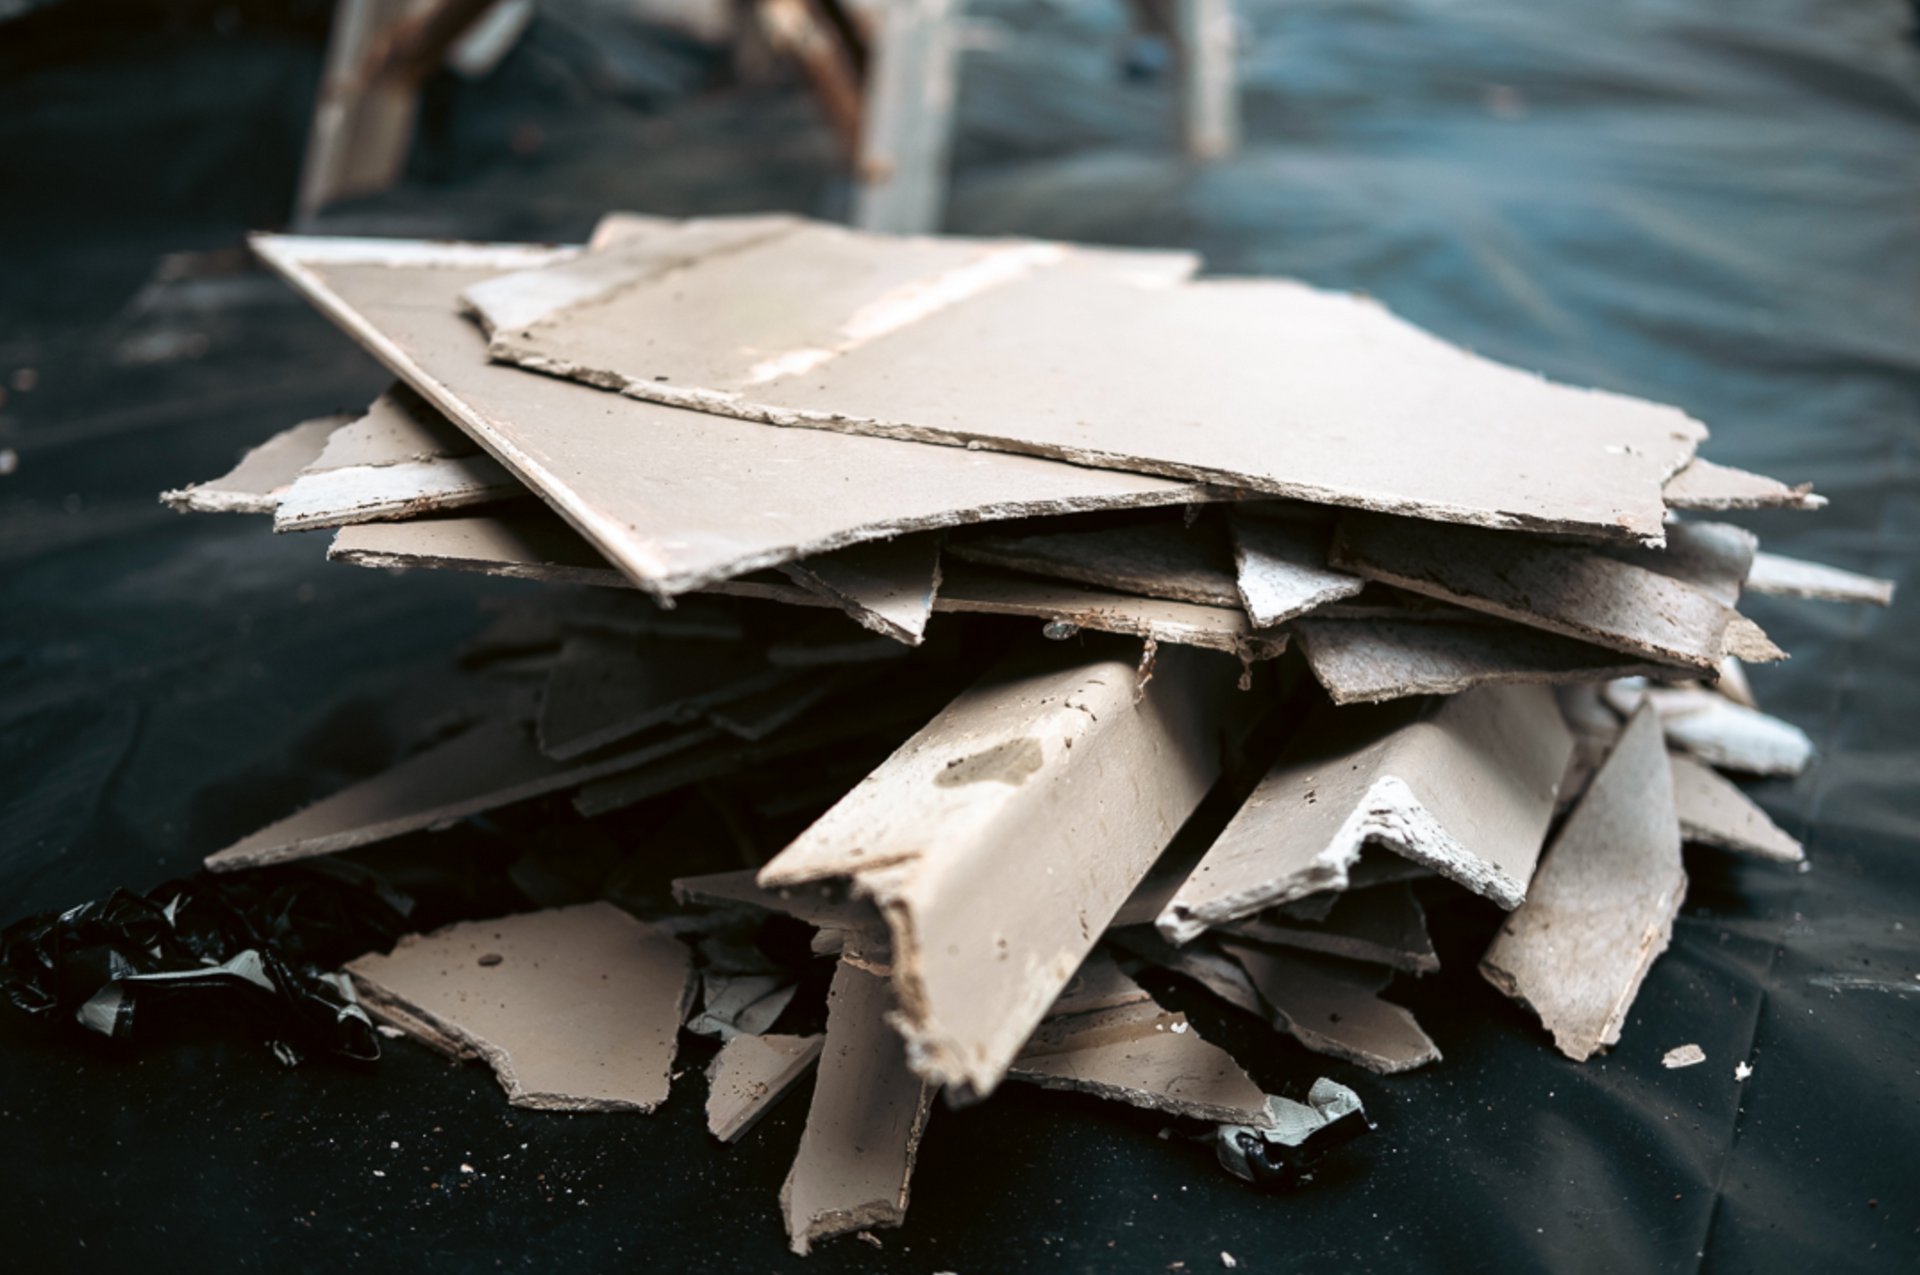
[[402, 459], [1050, 351], [1595, 729], [675, 499], [824, 290], [887, 586], [1463, 784], [823, 905], [1221, 975], [1098, 984], [1561, 588], [1713, 557], [490, 766], [1384, 925], [1714, 812], [255, 485], [1746, 641], [752, 1073], [754, 717], [1791, 577], [536, 545], [736, 1004], [1376, 865], [528, 544], [1142, 1055], [605, 689], [1717, 730], [722, 755], [1281, 569], [1705, 486], [575, 1009], [1366, 661], [1001, 839], [1601, 907], [829, 641], [1173, 623], [1333, 1007], [863, 1131], [1157, 559]]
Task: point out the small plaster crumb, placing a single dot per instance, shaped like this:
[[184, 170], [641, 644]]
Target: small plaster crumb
[[1684, 1056], [1179, 1028], [1741, 1071], [1226, 1260], [868, 1237], [466, 1168]]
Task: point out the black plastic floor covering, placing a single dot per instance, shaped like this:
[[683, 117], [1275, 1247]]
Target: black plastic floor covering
[[1713, 205]]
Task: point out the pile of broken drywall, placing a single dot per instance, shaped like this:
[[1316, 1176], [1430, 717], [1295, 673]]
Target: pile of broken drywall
[[957, 576]]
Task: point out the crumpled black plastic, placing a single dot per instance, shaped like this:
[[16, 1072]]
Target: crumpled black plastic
[[125, 964]]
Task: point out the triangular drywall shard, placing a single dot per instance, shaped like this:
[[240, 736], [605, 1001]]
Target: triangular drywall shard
[[1333, 1007], [1704, 485], [1384, 925], [399, 460], [1790, 577], [1601, 907], [1054, 351], [1281, 568], [575, 1009], [1159, 559], [1565, 589], [752, 1073], [488, 767], [856, 1155], [1000, 840], [1144, 1056], [1366, 661], [1464, 785], [255, 485], [887, 586], [1716, 813]]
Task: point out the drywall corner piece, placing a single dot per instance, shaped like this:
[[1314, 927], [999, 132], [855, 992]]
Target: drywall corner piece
[[1601, 908], [575, 1009], [1714, 812], [1001, 839], [255, 485], [750, 1075], [857, 1153], [887, 586], [1464, 785]]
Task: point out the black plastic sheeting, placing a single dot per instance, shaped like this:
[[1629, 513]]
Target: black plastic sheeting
[[261, 945], [1712, 204]]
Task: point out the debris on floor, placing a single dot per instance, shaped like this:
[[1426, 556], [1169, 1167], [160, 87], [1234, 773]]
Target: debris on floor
[[944, 699]]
